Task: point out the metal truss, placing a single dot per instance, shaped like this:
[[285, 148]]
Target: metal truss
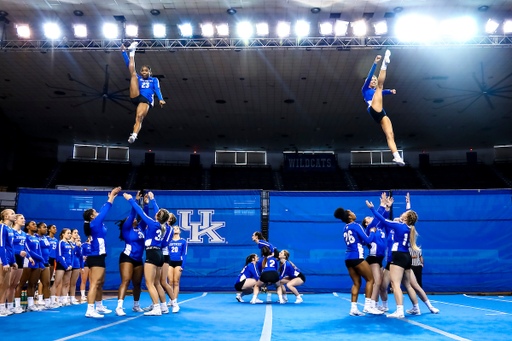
[[238, 44]]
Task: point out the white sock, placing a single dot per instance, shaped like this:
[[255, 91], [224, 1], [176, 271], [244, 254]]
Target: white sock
[[82, 292], [367, 303], [156, 307], [47, 302], [163, 306], [373, 304], [416, 307], [52, 298], [132, 53], [353, 306], [396, 155], [17, 301], [40, 298], [136, 304], [134, 134], [10, 305], [280, 297], [385, 304], [2, 306], [120, 303], [427, 302], [30, 301], [384, 66], [90, 307], [175, 301], [99, 304], [400, 309]]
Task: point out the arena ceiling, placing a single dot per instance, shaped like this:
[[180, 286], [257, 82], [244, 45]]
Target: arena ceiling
[[447, 98]]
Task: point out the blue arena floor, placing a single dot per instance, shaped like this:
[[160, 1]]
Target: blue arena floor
[[213, 316]]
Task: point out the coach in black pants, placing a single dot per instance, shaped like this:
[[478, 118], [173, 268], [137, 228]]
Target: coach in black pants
[[417, 265]]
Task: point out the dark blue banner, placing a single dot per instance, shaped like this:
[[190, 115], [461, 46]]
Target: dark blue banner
[[309, 162]]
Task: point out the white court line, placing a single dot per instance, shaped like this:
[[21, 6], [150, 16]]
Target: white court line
[[487, 298], [116, 323], [424, 326], [467, 306], [266, 333]]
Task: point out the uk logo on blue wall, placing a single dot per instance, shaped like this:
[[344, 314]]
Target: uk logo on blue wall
[[205, 227]]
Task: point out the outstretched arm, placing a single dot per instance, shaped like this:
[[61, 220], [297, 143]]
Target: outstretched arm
[[389, 92], [156, 88], [137, 208], [366, 85]]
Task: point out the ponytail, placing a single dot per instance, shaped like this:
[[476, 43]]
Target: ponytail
[[412, 239], [265, 252], [250, 258], [120, 223], [287, 256], [87, 221], [259, 235]]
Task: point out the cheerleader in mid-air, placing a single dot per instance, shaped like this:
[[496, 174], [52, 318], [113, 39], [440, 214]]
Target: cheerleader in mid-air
[[373, 90]]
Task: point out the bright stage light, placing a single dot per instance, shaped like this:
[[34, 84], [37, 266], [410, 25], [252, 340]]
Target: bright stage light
[[381, 27], [159, 31], [223, 30], [207, 30], [507, 26], [302, 28], [51, 31], [491, 26], [262, 29], [359, 28], [132, 31], [185, 30], [326, 28], [110, 31], [244, 29], [283, 29], [23, 31], [416, 28], [461, 28], [340, 28], [80, 31]]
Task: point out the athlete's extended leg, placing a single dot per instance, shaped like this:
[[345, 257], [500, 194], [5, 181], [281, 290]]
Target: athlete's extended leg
[[387, 128], [421, 293]]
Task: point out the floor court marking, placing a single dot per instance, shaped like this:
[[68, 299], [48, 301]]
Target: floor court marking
[[424, 326], [266, 333], [488, 299], [467, 306], [116, 323]]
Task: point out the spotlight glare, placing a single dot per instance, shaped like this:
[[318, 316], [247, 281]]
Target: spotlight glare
[[110, 31], [223, 30], [159, 30], [23, 31], [132, 31], [340, 28], [80, 31], [507, 26], [461, 28], [283, 29], [359, 28], [207, 30], [262, 29], [302, 28], [381, 27], [51, 31], [416, 28], [185, 30], [491, 26], [245, 30], [326, 28]]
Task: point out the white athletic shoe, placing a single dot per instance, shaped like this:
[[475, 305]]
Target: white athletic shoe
[[165, 311], [148, 308], [169, 304], [175, 308], [54, 305], [386, 56], [120, 311], [356, 313], [399, 162], [32, 308], [7, 312], [285, 298], [103, 310], [434, 310], [154, 312], [255, 300], [239, 298], [75, 302], [413, 311], [396, 315], [83, 299], [373, 311], [133, 46], [381, 308], [137, 309], [40, 302], [299, 300], [282, 301], [18, 310], [93, 314], [132, 138]]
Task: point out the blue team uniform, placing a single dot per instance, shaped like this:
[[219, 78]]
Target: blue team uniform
[[77, 261], [147, 87], [6, 245], [249, 271], [45, 246], [64, 254], [389, 243], [134, 238], [33, 249], [272, 264], [19, 241], [99, 232], [401, 232], [86, 251], [288, 271], [355, 237], [53, 248], [178, 251], [378, 244], [153, 231], [369, 92], [262, 244]]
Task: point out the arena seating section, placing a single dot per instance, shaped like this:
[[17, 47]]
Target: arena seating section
[[92, 173], [385, 177], [169, 176], [315, 181], [462, 176], [241, 177], [31, 174], [505, 167]]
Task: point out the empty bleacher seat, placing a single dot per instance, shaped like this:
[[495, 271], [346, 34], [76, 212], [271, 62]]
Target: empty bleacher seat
[[385, 177], [92, 173], [169, 176], [241, 177]]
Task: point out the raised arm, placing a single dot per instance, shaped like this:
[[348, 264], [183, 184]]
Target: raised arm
[[387, 223], [362, 234], [366, 85], [389, 92], [137, 208], [126, 59]]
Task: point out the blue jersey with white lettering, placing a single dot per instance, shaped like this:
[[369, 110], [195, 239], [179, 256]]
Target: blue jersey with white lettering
[[77, 261], [45, 245], [369, 92], [287, 270], [99, 232], [154, 234], [178, 251], [64, 253], [272, 264], [249, 271], [378, 244], [355, 237], [33, 249], [53, 248], [134, 238], [262, 244], [389, 243], [402, 232], [6, 245], [86, 251], [19, 241], [147, 87]]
